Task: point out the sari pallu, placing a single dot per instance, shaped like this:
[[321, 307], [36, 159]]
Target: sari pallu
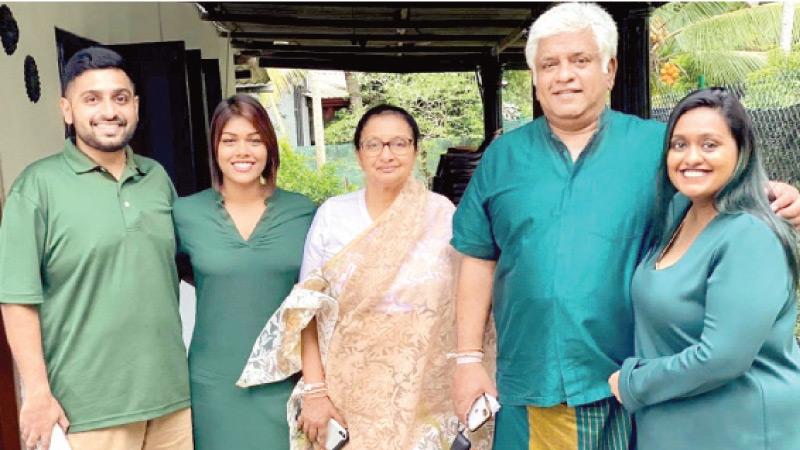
[[385, 319]]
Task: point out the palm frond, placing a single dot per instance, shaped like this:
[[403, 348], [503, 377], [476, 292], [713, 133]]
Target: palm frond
[[756, 28], [676, 16], [283, 80], [726, 67]]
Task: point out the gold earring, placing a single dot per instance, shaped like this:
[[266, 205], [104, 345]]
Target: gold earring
[[262, 181]]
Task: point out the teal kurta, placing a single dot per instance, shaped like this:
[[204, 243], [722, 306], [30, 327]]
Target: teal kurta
[[717, 365], [239, 285], [566, 237]]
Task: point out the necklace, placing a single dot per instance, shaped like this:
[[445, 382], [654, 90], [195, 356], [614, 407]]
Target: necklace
[[669, 244]]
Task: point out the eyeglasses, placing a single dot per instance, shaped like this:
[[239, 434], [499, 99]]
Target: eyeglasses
[[399, 146]]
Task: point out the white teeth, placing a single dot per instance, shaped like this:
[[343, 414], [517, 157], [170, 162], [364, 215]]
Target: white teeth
[[694, 173], [243, 165]]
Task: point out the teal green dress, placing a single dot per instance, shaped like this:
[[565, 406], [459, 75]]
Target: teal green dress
[[239, 284], [717, 366]]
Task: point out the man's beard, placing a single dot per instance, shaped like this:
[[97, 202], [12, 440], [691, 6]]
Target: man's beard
[[118, 144]]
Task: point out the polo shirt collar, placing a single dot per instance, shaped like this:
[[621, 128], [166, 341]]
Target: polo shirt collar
[[81, 163]]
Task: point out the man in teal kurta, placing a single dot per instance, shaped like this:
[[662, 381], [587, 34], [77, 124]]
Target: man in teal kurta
[[88, 281], [552, 225]]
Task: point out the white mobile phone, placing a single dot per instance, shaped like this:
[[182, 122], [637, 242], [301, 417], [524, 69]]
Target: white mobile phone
[[58, 440], [482, 409], [337, 436]]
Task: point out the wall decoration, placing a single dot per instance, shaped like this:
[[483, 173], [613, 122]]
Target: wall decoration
[[9, 32], [32, 83]]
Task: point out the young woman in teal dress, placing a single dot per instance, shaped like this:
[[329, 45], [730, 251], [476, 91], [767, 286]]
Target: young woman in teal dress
[[244, 238], [717, 366]]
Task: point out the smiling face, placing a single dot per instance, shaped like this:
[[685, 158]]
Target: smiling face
[[241, 153], [100, 104], [702, 154], [386, 168], [570, 83]]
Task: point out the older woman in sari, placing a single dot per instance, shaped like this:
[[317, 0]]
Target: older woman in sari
[[373, 320]]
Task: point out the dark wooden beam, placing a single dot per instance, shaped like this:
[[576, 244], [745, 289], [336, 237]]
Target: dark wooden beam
[[491, 73], [356, 50], [353, 37], [378, 63], [310, 23], [515, 35], [631, 93]]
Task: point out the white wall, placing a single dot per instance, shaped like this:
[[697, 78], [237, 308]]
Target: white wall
[[30, 131]]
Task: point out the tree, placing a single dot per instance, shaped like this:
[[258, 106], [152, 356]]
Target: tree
[[354, 90], [723, 41], [445, 105]]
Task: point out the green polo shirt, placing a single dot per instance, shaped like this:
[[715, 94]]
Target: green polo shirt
[[96, 255], [566, 237]]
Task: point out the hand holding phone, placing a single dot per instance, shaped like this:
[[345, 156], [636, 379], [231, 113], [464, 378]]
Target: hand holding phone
[[58, 440], [337, 436], [482, 409]]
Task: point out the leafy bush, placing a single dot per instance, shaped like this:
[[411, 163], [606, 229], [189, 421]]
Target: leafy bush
[[297, 174]]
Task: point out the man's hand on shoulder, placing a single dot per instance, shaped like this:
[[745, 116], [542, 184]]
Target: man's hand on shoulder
[[785, 201], [39, 413]]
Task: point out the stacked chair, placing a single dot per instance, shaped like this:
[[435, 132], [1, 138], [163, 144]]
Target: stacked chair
[[454, 171]]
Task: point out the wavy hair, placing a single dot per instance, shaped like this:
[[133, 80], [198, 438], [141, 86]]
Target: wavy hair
[[744, 191]]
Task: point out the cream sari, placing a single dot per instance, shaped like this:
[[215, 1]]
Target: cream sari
[[385, 319]]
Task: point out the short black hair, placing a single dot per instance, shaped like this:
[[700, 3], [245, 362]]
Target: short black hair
[[92, 58], [385, 109]]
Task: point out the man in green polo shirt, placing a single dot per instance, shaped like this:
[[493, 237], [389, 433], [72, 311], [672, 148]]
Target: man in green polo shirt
[[88, 281], [552, 225]]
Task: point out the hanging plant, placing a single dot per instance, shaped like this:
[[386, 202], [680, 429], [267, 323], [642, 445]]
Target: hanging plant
[[32, 83], [9, 32]]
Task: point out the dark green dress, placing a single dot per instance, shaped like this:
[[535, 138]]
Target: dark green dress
[[717, 366], [239, 285]]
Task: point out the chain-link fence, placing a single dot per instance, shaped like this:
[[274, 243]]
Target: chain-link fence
[[774, 108]]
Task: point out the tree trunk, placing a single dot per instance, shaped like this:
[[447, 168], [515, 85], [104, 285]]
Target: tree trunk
[[354, 89]]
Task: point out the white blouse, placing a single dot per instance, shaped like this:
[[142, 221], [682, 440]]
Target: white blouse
[[337, 222]]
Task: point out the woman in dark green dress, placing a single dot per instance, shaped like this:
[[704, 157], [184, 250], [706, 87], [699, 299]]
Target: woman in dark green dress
[[244, 238], [715, 304]]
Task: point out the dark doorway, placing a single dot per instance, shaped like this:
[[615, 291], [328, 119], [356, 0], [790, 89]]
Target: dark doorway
[[164, 132], [9, 418], [174, 86]]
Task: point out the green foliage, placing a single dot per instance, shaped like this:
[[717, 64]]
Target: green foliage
[[517, 93], [298, 175], [340, 130], [444, 104], [777, 85], [724, 41]]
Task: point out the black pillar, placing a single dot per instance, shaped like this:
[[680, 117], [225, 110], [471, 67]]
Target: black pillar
[[631, 93], [491, 93]]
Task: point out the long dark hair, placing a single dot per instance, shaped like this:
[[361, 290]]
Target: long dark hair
[[744, 191], [245, 106]]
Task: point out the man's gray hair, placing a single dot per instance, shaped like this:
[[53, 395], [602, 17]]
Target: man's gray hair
[[570, 18]]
